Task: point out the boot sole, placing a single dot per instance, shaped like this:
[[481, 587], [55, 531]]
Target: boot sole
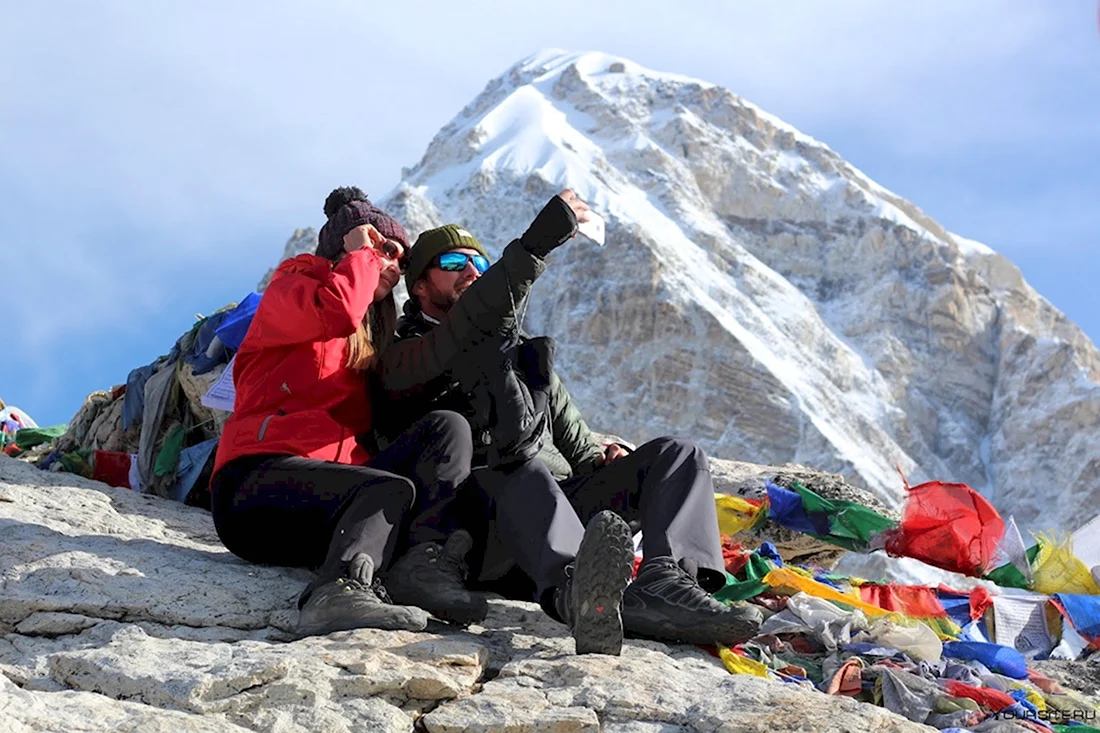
[[603, 569]]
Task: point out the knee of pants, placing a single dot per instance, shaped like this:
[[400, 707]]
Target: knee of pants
[[400, 493], [675, 446], [449, 423], [530, 480]]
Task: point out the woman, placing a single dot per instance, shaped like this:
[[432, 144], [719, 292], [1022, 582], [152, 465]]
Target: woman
[[292, 483]]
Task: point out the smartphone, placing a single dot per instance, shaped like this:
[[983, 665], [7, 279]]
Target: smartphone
[[593, 228]]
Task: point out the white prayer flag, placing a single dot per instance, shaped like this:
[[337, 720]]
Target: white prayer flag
[[222, 393], [1086, 543], [1020, 622], [1012, 549]]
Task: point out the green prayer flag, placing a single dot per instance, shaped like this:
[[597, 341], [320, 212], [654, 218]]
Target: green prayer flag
[[169, 457], [1009, 576], [28, 438], [77, 462], [851, 525], [753, 584]]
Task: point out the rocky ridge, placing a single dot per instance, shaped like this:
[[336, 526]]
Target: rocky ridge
[[122, 611]]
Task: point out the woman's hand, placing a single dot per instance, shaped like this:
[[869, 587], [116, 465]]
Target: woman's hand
[[364, 236], [390, 253], [367, 237]]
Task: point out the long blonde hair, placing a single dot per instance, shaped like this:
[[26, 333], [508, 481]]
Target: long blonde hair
[[373, 335]]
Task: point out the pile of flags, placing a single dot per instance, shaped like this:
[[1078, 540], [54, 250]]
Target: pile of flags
[[945, 525]]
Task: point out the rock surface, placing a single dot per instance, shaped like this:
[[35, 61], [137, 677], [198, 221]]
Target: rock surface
[[121, 611]]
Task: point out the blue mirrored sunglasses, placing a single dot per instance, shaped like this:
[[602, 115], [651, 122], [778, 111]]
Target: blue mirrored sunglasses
[[456, 262]]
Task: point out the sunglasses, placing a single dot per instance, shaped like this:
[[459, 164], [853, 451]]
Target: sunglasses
[[393, 251], [456, 262]]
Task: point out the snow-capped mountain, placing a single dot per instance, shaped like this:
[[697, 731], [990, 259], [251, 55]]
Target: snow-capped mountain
[[759, 294]]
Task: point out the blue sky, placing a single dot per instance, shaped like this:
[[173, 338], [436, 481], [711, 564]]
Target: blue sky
[[155, 157]]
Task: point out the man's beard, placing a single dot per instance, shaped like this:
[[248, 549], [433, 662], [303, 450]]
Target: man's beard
[[444, 301]]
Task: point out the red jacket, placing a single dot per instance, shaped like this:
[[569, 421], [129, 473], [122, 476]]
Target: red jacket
[[295, 396]]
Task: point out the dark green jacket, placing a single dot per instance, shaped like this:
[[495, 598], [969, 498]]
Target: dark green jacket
[[573, 449]]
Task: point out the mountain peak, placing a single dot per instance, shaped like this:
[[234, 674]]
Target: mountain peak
[[553, 62], [763, 296], [551, 112]]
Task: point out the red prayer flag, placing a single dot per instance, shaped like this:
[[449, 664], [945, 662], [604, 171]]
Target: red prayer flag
[[918, 601], [734, 555], [981, 600], [112, 468], [987, 697], [948, 526]]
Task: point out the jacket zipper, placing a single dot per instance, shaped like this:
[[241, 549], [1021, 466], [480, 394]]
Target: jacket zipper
[[263, 425], [263, 428]]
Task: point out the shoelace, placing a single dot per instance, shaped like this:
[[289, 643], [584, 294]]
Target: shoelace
[[690, 579], [351, 583], [687, 586], [380, 590], [682, 575], [692, 585], [450, 563], [564, 589], [376, 586]]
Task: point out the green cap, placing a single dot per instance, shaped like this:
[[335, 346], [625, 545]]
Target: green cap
[[434, 242]]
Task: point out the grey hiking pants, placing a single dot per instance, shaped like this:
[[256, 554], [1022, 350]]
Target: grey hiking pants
[[664, 488]]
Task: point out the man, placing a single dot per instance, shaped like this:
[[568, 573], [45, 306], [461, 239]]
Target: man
[[412, 370], [541, 505]]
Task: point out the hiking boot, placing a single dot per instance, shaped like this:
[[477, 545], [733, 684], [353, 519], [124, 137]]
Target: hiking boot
[[590, 599], [434, 577], [666, 602], [356, 601]]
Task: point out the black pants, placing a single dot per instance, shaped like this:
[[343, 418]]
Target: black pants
[[663, 488], [301, 512]]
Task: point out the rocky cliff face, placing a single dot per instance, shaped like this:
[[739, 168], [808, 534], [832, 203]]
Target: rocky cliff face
[[764, 297]]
